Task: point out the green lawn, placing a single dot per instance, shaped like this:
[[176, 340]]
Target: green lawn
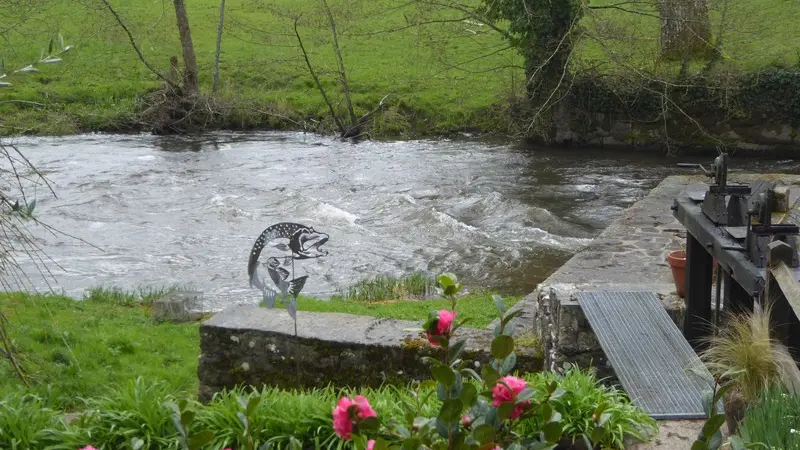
[[77, 349], [448, 73]]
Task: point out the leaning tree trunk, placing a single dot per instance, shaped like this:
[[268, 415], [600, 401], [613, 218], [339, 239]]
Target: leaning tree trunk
[[685, 29], [190, 83]]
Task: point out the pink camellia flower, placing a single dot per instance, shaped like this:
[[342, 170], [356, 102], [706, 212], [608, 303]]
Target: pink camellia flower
[[343, 421], [370, 444], [443, 326], [501, 394]]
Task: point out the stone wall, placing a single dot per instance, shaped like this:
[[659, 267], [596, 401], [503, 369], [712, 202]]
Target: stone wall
[[253, 346]]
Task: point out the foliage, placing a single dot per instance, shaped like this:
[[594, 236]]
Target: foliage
[[710, 437], [744, 353], [143, 413], [469, 417], [773, 421], [444, 73], [24, 421], [79, 349], [121, 297], [380, 288], [603, 414]]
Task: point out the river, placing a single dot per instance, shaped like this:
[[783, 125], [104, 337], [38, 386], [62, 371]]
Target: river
[[141, 210]]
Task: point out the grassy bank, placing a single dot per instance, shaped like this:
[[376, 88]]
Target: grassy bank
[[445, 76], [79, 348]]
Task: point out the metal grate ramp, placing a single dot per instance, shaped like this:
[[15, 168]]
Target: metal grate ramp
[[648, 353]]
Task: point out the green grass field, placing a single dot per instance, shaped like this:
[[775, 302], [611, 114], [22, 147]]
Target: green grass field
[[76, 349], [449, 74]]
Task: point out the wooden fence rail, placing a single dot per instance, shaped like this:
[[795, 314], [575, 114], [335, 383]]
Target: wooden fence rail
[[783, 294]]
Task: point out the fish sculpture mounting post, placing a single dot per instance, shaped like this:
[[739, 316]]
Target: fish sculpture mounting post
[[295, 242]]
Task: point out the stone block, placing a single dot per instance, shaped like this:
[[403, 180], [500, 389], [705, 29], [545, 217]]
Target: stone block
[[250, 346], [180, 306]]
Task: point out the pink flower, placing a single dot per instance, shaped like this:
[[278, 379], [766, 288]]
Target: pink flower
[[466, 421], [370, 444], [88, 447], [501, 394], [443, 326], [350, 412]]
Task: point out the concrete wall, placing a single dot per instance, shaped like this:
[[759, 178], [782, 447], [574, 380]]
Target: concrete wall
[[256, 346]]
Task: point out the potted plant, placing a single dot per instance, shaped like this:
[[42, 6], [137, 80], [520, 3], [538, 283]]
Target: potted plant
[[744, 355], [677, 262]]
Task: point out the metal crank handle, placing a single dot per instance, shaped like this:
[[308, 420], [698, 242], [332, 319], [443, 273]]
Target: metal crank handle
[[695, 166]]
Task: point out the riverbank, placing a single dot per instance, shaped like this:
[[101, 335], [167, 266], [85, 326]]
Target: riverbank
[[77, 349], [442, 77]]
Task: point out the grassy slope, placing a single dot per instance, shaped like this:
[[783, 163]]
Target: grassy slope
[[100, 84], [82, 348]]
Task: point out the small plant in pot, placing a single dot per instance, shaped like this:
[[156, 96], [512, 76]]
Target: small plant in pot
[[743, 356]]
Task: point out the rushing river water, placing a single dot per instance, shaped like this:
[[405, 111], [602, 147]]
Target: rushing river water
[[159, 211]]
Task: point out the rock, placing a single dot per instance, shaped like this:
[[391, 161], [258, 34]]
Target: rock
[[180, 306]]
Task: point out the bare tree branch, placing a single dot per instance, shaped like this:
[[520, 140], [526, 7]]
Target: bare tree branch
[[136, 47]]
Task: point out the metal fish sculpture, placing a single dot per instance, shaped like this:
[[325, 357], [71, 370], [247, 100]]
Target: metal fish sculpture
[[304, 243]]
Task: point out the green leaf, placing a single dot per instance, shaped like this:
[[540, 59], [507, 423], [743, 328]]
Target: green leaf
[[469, 395], [720, 393], [451, 411], [50, 46], [706, 397], [546, 411], [542, 446], [508, 364], [427, 384], [186, 418], [60, 42], [444, 375], [504, 410], [490, 376], [411, 444], [699, 445], [713, 424], [2, 65], [597, 434], [252, 404], [370, 424], [499, 305], [502, 346], [381, 444], [472, 373], [736, 443], [716, 441], [507, 318], [604, 418], [483, 433], [200, 440], [453, 289], [526, 394], [456, 349], [447, 279], [552, 431]]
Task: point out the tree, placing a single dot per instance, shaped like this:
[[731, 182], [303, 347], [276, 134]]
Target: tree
[[543, 32], [190, 82], [685, 28]]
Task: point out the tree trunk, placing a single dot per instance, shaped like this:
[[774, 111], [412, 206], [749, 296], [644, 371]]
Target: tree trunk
[[190, 83], [685, 29], [215, 77]]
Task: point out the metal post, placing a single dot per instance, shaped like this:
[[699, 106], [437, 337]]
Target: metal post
[[737, 300], [697, 316]]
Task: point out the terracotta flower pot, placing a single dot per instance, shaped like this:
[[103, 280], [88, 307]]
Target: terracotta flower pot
[[677, 262]]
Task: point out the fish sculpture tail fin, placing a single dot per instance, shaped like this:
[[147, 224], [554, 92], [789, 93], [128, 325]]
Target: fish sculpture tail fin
[[296, 285]]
